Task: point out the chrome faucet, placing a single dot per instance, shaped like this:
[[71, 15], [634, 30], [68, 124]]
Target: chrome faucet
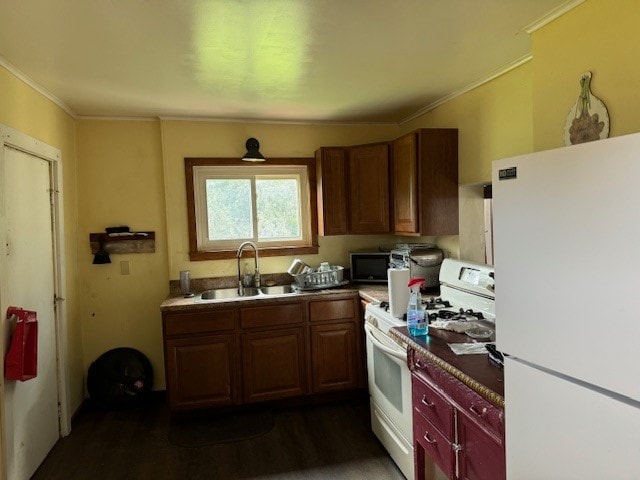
[[256, 274]]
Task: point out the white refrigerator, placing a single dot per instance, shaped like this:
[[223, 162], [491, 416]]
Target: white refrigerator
[[567, 267]]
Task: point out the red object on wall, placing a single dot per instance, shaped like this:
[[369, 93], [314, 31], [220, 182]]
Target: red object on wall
[[21, 361]]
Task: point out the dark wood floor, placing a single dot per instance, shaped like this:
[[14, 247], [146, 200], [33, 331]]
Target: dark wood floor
[[331, 441]]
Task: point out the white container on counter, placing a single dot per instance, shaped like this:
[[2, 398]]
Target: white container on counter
[[398, 291]]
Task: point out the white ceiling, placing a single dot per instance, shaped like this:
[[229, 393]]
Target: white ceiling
[[278, 60]]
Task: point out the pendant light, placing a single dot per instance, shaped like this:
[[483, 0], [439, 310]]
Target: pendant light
[[253, 153]]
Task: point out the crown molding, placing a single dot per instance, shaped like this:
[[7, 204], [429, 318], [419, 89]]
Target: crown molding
[[507, 68], [117, 118], [552, 15], [38, 88], [272, 122]]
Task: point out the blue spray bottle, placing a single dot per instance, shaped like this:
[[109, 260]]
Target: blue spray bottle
[[416, 319]]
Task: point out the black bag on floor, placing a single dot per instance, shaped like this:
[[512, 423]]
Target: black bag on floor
[[120, 378]]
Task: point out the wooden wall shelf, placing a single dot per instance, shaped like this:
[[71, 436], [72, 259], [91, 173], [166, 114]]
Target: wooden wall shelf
[[135, 242]]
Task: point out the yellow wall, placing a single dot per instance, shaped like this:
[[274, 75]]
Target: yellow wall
[[210, 139], [29, 112], [122, 179], [120, 183], [493, 121], [600, 36]]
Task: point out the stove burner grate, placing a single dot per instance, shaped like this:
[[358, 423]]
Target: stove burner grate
[[461, 316], [434, 303]]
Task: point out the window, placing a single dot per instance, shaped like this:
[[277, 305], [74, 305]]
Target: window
[[268, 204]]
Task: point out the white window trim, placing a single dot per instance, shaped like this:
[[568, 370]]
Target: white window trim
[[203, 172]]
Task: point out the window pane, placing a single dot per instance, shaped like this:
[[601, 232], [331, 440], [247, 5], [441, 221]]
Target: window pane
[[278, 208], [229, 209]]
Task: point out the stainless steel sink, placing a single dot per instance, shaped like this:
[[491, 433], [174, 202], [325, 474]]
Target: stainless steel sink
[[277, 290], [248, 292], [226, 293]]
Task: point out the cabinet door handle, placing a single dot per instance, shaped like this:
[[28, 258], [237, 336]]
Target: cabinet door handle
[[429, 440], [457, 448], [476, 412], [427, 402]]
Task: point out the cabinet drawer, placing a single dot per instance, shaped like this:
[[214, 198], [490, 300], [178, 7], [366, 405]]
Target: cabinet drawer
[[433, 406], [271, 315], [199, 322], [470, 403], [332, 309], [431, 373], [480, 410], [436, 445]]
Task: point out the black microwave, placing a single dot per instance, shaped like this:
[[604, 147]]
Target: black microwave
[[369, 266]]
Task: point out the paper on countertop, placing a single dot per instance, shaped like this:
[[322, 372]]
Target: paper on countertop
[[468, 348], [453, 325]]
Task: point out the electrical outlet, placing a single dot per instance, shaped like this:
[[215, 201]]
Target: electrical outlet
[[124, 267]]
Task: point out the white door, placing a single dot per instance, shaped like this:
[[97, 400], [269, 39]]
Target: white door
[[30, 422]]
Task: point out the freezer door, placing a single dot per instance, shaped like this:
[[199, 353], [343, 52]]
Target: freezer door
[[556, 429], [566, 224]]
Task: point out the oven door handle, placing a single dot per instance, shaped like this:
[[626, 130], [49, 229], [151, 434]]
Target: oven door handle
[[399, 354]]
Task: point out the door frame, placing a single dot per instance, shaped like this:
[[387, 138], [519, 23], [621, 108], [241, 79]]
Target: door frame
[[12, 138]]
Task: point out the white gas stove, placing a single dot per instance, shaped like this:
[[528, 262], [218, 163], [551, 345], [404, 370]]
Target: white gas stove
[[466, 294]]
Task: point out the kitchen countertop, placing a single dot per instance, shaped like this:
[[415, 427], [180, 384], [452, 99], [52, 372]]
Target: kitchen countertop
[[373, 293], [368, 292], [380, 293], [476, 371]]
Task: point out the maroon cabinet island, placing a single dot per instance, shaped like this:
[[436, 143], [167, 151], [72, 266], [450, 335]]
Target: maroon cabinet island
[[458, 407]]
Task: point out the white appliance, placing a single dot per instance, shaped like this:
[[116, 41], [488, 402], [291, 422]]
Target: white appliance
[[566, 224], [466, 290]]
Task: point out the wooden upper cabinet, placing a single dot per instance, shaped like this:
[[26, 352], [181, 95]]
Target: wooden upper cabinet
[[405, 185], [425, 180], [369, 194], [331, 178]]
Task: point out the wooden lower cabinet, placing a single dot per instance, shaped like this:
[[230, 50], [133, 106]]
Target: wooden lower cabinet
[[333, 357], [337, 345], [482, 454], [460, 431], [201, 371], [265, 351], [273, 364]]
